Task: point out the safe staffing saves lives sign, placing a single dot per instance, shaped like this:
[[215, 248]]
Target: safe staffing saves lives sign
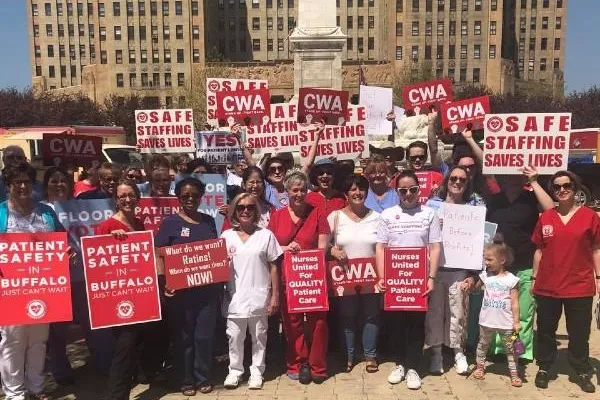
[[165, 131], [121, 282], [35, 287], [513, 141]]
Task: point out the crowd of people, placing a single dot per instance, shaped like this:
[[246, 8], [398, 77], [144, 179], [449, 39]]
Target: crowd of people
[[545, 257]]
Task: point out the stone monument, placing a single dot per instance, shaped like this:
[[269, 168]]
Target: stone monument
[[317, 44]]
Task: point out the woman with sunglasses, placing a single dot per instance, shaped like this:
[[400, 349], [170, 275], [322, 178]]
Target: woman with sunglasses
[[566, 273], [324, 196], [447, 315], [193, 311], [253, 291], [380, 196], [134, 174], [408, 224], [347, 244], [297, 227], [253, 183]]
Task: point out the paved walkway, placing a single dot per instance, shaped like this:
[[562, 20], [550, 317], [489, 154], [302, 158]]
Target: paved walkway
[[358, 385]]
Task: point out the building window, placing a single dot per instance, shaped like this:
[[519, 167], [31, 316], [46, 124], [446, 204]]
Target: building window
[[349, 22], [476, 75], [195, 32], [415, 5], [399, 8], [440, 28], [35, 12], [144, 56], [269, 44], [130, 33], [531, 64], [80, 9], [361, 22], [534, 4], [63, 71], [399, 28], [167, 55], [360, 45], [117, 32], [180, 79], [36, 31], [371, 43], [131, 56], [463, 75], [194, 8], [81, 29], [167, 80], [166, 32], [290, 3], [545, 23], [415, 53], [532, 24], [71, 30], [117, 9], [102, 33], [546, 3], [523, 4], [196, 55], [103, 57], [350, 3], [477, 5], [61, 30], [452, 52], [463, 51], [132, 80], [255, 44], [165, 8], [82, 51], [557, 44], [119, 80], [492, 27], [361, 3], [558, 22], [255, 3], [61, 50], [464, 28], [556, 63], [144, 79], [91, 30], [51, 72], [494, 5], [371, 22], [50, 50], [178, 8], [349, 44], [153, 8], [477, 51], [280, 45], [72, 51], [544, 45], [428, 5], [477, 28], [232, 24], [279, 23], [179, 31], [531, 44], [465, 7], [451, 74], [38, 51], [73, 71], [48, 30], [439, 54], [415, 28], [521, 44], [255, 24], [441, 5], [155, 56], [427, 52], [142, 8], [428, 28], [269, 23], [492, 51], [47, 9], [180, 56], [543, 64], [129, 9]]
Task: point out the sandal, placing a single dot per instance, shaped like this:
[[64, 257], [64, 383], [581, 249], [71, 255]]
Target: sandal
[[515, 381], [188, 390], [371, 366], [479, 372], [205, 388]]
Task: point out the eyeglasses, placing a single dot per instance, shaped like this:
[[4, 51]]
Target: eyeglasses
[[190, 196], [467, 167], [254, 183], [566, 186], [244, 207], [276, 168], [108, 180], [455, 179], [133, 176], [421, 157], [127, 197], [404, 191], [324, 171]]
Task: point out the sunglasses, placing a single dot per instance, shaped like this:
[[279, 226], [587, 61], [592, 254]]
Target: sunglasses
[[276, 168], [422, 157], [245, 207], [412, 190], [566, 186], [324, 171], [455, 179], [193, 196]]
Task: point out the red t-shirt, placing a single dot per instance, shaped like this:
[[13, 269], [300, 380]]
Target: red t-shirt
[[567, 267], [82, 187], [112, 224], [327, 205], [305, 232]]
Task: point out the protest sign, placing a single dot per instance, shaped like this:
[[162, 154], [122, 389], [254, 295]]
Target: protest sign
[[218, 148], [322, 104], [152, 210], [215, 196], [35, 286], [425, 185], [247, 107], [71, 150], [214, 85], [463, 233], [196, 264], [458, 114], [120, 275], [81, 217], [489, 232], [355, 276], [423, 94], [405, 279], [306, 281], [165, 131], [513, 141], [378, 103]]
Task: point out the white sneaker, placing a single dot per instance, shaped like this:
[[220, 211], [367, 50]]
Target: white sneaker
[[436, 366], [232, 381], [460, 364], [255, 382], [396, 375], [413, 380]]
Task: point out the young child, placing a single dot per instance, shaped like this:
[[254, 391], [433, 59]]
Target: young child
[[500, 308]]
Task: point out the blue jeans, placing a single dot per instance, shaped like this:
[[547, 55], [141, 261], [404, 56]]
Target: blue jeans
[[367, 307]]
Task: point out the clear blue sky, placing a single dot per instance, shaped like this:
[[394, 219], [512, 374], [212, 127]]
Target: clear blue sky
[[582, 61]]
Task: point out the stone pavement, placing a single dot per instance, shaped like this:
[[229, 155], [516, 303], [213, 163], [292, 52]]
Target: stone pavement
[[358, 385]]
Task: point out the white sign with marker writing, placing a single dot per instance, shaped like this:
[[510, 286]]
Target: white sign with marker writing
[[463, 235]]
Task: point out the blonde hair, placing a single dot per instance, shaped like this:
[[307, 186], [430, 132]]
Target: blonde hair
[[501, 249], [294, 178], [232, 215]]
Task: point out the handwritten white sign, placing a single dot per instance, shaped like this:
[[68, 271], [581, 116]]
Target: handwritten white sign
[[463, 235], [378, 103]]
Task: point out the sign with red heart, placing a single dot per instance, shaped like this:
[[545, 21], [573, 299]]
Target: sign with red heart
[[120, 274], [35, 286]]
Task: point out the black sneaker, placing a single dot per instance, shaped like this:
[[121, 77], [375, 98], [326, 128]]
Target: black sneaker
[[585, 383], [541, 379], [305, 376]]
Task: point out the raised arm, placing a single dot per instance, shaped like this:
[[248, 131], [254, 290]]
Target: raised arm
[[467, 134], [236, 131], [432, 140], [543, 198], [312, 154]]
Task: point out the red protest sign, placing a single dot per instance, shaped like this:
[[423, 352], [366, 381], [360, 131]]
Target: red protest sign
[[405, 279], [356, 276], [512, 141], [121, 282], [215, 85], [458, 114], [152, 210], [306, 281], [196, 264], [71, 150], [424, 94], [165, 131], [316, 104], [244, 106], [425, 185], [35, 286]]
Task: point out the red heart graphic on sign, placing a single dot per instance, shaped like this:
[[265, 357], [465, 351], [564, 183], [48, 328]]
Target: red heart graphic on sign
[[494, 124], [36, 309], [125, 309]]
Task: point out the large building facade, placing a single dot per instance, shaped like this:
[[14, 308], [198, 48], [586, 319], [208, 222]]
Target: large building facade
[[153, 47]]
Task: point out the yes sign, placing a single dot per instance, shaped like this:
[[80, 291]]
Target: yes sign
[[427, 93], [457, 115]]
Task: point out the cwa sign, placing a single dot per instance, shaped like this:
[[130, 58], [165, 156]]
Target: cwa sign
[[71, 150], [427, 93], [330, 105], [244, 106], [457, 115]]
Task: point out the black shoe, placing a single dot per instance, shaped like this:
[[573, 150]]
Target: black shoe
[[305, 377], [585, 383], [319, 379], [541, 379]]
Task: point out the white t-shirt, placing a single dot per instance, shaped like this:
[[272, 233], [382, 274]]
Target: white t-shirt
[[358, 239], [496, 310], [234, 179], [250, 284], [414, 227]]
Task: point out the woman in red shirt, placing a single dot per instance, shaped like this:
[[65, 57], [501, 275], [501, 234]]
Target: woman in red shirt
[[300, 226], [566, 273], [325, 197]]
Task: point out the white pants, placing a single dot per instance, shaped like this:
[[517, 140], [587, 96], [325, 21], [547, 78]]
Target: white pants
[[236, 331], [22, 357]]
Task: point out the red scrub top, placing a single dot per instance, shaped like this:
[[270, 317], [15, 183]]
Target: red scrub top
[[305, 232], [336, 202], [566, 269], [111, 224]]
